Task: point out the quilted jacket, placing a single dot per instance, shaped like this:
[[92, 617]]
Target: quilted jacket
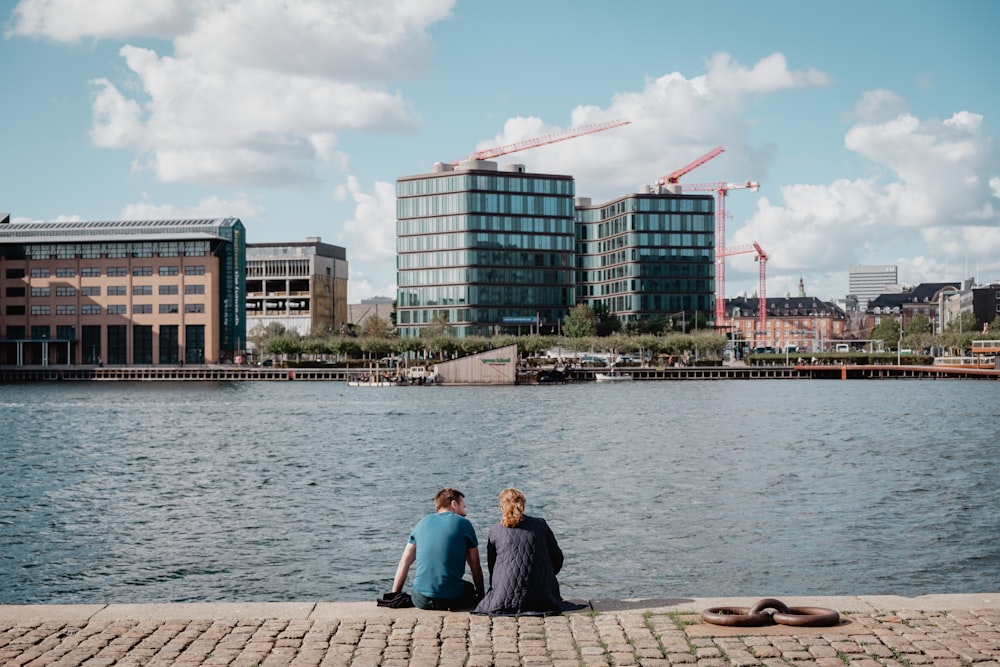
[[523, 563]]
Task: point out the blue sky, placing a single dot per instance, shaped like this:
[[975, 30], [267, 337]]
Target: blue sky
[[871, 126]]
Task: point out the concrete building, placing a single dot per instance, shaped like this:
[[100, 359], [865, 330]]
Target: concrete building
[[647, 255], [122, 292], [379, 306], [488, 251], [301, 286], [868, 282]]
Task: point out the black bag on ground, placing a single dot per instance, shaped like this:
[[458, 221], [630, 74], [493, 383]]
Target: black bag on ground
[[398, 600]]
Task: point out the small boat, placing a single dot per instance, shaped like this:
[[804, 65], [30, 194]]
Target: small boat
[[612, 376], [374, 378]]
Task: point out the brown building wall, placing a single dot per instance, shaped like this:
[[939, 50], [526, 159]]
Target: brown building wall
[[135, 292]]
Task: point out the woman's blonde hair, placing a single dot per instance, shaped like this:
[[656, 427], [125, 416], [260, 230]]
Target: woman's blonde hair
[[511, 507]]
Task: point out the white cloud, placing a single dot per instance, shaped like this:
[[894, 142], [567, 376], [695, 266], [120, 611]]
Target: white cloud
[[71, 20], [371, 233], [931, 206], [360, 286], [210, 207], [674, 120], [255, 91]]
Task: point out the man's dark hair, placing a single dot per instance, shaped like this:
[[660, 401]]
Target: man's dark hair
[[442, 500]]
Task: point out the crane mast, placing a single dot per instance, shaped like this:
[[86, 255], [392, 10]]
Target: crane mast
[[721, 191], [761, 258]]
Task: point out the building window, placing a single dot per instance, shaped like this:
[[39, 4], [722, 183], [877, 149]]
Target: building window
[[194, 343], [194, 289], [15, 273], [194, 270], [169, 270], [142, 344], [117, 290], [66, 332], [65, 273], [65, 291], [194, 308], [142, 290], [91, 272], [90, 309], [65, 310], [117, 271], [91, 290], [142, 271], [41, 291], [41, 273], [169, 308], [169, 344], [14, 310], [41, 310], [15, 291], [117, 309], [117, 344], [41, 332], [168, 289], [142, 309]]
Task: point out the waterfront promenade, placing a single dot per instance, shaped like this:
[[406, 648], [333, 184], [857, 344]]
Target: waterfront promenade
[[875, 631]]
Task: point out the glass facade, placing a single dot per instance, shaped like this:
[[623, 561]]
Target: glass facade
[[486, 251], [647, 255]]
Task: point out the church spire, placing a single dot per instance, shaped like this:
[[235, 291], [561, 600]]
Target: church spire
[[802, 287]]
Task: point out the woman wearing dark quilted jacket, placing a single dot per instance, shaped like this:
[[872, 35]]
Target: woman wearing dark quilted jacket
[[523, 558]]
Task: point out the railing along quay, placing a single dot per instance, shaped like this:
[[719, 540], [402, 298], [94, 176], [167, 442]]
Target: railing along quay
[[695, 373], [257, 374], [169, 374]]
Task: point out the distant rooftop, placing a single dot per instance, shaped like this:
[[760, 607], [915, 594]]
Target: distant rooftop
[[81, 231]]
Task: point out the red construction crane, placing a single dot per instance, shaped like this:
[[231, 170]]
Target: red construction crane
[[762, 260], [675, 176], [571, 133], [720, 190]]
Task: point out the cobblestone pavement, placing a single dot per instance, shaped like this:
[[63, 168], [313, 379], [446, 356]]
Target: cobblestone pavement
[[353, 635]]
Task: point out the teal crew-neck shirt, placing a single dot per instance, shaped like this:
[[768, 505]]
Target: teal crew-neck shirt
[[442, 540]]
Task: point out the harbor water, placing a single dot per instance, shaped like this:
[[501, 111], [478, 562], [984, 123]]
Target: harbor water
[[300, 491]]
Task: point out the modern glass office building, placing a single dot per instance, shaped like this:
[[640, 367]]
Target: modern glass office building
[[647, 255], [486, 250]]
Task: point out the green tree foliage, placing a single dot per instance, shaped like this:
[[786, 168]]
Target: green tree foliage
[[607, 323], [376, 327], [965, 323], [887, 331], [920, 324], [438, 327], [581, 321]]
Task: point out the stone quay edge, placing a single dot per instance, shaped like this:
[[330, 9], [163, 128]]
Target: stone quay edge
[[942, 630]]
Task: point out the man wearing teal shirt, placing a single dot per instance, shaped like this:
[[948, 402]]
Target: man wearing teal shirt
[[441, 544]]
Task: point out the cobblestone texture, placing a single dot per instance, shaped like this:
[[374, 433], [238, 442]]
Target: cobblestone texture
[[965, 638]]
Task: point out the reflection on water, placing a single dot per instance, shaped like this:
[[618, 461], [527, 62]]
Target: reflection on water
[[306, 490]]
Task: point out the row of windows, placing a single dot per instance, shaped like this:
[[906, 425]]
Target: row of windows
[[462, 223], [457, 258], [117, 339], [113, 271], [487, 295], [641, 222], [493, 183], [479, 202], [563, 243], [669, 204], [648, 261], [279, 268], [113, 309], [490, 275], [141, 249], [95, 290], [653, 303]]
